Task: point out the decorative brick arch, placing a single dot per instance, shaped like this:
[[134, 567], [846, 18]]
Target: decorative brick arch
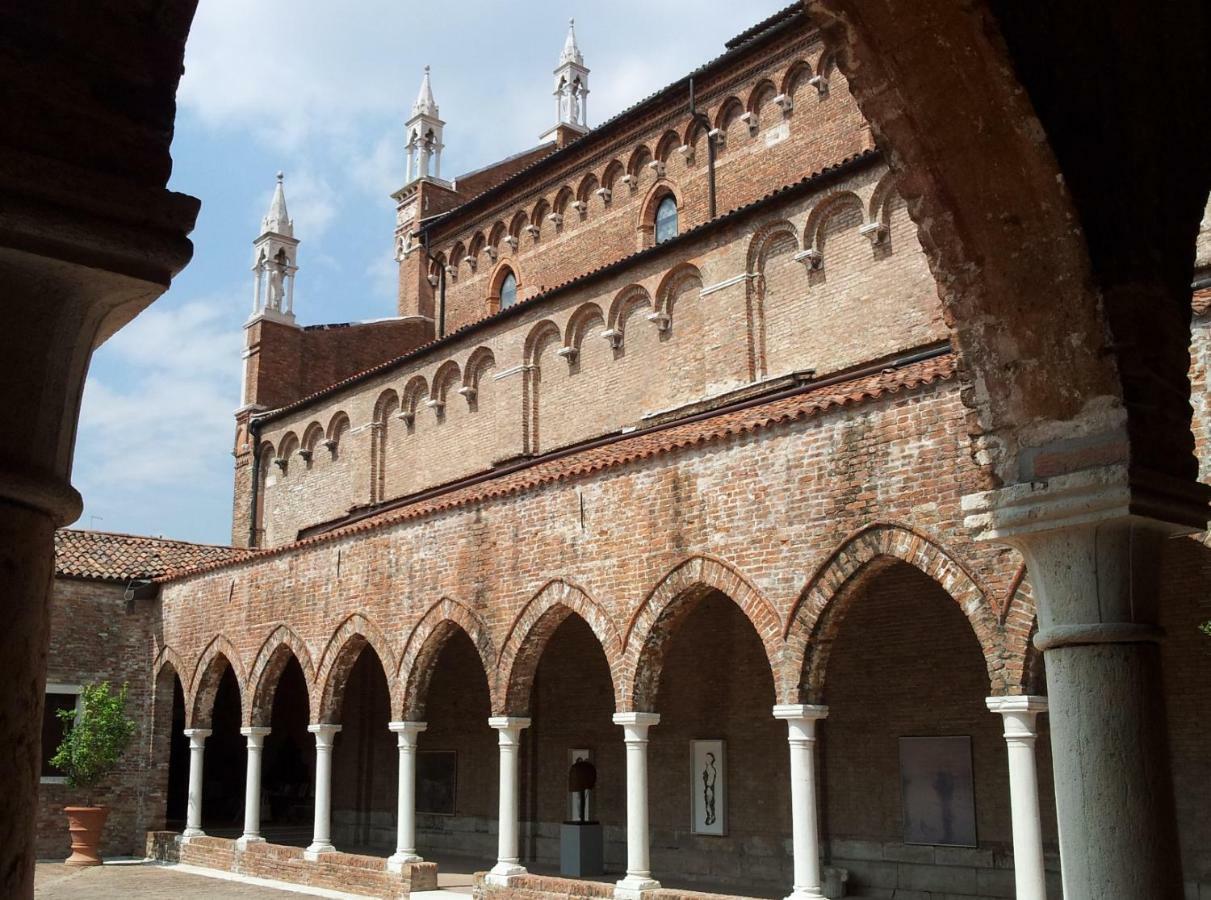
[[169, 657], [344, 647], [426, 641], [266, 671], [664, 609], [817, 615], [531, 631], [219, 654]]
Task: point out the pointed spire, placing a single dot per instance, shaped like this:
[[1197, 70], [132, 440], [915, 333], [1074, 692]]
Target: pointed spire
[[571, 52], [277, 220], [425, 105]]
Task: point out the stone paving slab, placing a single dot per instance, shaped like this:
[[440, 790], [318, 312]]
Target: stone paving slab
[[136, 880]]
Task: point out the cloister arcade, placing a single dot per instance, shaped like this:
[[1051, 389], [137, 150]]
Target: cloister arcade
[[892, 634]]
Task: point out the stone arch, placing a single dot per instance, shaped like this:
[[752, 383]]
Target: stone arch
[[817, 614], [426, 641], [825, 209], [669, 141], [639, 158], [532, 629], [613, 171], [219, 655], [796, 75], [657, 618], [762, 93], [344, 647], [631, 296], [671, 284], [579, 323], [276, 651]]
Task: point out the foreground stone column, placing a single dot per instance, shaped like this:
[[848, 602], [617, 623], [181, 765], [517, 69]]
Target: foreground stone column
[[638, 879], [193, 806], [508, 860], [805, 837], [1093, 551], [252, 786], [321, 836], [405, 817], [1019, 714]]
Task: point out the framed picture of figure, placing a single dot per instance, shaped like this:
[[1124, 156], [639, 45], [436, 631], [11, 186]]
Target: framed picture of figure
[[708, 787], [436, 781], [938, 791]]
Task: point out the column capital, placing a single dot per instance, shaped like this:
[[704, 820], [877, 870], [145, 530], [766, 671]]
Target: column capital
[[407, 732], [255, 733], [509, 727], [1019, 713], [792, 711], [197, 737], [636, 724], [324, 733], [1017, 703]]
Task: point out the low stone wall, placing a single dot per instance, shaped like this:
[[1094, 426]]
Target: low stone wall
[[543, 887], [911, 872], [346, 872]]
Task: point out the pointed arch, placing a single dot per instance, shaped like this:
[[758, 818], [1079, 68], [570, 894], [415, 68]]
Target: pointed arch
[[219, 655], [347, 642], [275, 652], [169, 657], [665, 607], [425, 643], [816, 616], [532, 629]]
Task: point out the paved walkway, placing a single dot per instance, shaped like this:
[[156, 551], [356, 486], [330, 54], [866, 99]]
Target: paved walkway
[[142, 881]]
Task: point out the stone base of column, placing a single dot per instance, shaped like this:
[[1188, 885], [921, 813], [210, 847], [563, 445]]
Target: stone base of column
[[806, 894], [315, 851], [397, 860], [500, 873], [190, 833], [244, 840], [633, 886]]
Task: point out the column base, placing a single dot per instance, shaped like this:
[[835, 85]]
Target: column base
[[806, 894], [315, 851], [633, 886], [397, 860], [244, 840], [500, 873], [190, 833]]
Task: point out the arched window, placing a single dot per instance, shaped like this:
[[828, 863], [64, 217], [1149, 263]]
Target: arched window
[[508, 290], [666, 219]]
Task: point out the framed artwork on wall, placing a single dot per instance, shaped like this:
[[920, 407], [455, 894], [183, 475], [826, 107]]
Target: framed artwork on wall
[[938, 791], [708, 787], [436, 782]]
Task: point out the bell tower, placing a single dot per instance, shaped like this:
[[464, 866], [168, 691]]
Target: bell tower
[[275, 262], [424, 147], [571, 92]]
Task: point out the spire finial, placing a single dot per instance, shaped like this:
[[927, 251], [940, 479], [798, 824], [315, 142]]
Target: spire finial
[[425, 104], [281, 175], [571, 52], [277, 220]]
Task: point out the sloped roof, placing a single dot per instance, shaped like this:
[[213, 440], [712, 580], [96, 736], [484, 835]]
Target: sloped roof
[[106, 556]]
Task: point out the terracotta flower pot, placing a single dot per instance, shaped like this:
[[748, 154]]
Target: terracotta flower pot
[[85, 824]]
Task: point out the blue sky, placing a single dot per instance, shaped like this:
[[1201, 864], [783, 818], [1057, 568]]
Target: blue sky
[[321, 90]]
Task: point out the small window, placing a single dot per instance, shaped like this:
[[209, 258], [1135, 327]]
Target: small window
[[666, 219], [508, 290], [58, 697]]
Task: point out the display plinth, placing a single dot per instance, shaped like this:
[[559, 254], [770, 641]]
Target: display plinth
[[581, 849]]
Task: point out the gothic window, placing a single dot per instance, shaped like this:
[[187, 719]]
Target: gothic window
[[666, 219], [508, 290]]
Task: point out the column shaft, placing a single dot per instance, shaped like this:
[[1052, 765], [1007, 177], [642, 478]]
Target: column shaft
[[508, 861], [193, 807], [252, 786], [805, 835], [321, 839], [639, 867], [405, 821], [1019, 714]]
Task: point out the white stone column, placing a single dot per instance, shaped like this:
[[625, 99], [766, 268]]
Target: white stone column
[[638, 879], [801, 722], [321, 838], [1019, 714], [255, 736], [193, 810], [405, 817], [508, 862]]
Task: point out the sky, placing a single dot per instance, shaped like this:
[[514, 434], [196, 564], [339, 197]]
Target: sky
[[320, 90]]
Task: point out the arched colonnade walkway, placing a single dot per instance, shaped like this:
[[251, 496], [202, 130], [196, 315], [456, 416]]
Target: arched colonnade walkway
[[891, 638]]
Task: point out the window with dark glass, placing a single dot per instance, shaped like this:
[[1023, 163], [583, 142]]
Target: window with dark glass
[[53, 729], [508, 290], [666, 219]]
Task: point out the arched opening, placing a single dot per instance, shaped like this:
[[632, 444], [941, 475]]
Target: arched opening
[[288, 762], [911, 758], [571, 705], [456, 761], [718, 762], [665, 223], [364, 779], [224, 764], [170, 743], [506, 293]]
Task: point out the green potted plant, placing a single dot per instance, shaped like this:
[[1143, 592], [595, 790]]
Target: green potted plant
[[95, 738]]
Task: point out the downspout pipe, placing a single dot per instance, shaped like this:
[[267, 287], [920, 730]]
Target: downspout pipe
[[710, 152], [254, 432]]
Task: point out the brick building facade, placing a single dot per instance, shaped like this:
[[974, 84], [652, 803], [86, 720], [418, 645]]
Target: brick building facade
[[593, 473]]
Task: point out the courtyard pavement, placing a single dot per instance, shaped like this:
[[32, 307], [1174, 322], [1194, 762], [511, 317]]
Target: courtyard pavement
[[137, 880]]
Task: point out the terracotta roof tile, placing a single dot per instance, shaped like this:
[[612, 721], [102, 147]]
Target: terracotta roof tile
[[120, 557], [809, 403]]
